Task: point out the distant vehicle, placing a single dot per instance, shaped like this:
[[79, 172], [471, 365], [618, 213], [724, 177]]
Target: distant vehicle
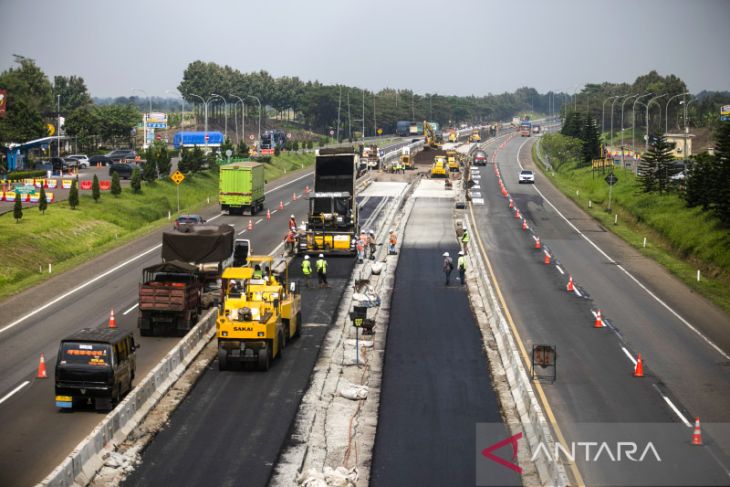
[[402, 128], [526, 176], [535, 129], [58, 164], [95, 366], [99, 159], [82, 158], [516, 121], [120, 154], [480, 158], [241, 188], [123, 170], [71, 163], [525, 128], [271, 139], [191, 139], [416, 128], [183, 222]]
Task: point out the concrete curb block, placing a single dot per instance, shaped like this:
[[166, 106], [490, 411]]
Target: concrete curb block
[[531, 417], [87, 458]]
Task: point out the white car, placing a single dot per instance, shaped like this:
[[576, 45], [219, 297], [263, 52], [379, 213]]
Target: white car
[[82, 158], [526, 177]]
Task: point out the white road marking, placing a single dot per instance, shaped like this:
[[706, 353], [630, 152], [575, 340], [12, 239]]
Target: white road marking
[[117, 267], [130, 309], [274, 211], [628, 354], [10, 394], [559, 269], [477, 201], [476, 186], [287, 203], [575, 290], [623, 269], [477, 194], [676, 411], [258, 221], [242, 231]]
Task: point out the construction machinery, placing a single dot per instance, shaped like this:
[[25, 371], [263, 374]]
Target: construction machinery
[[438, 170], [452, 158], [261, 312], [332, 221], [241, 188], [431, 134], [370, 156], [453, 137], [474, 136], [405, 158]]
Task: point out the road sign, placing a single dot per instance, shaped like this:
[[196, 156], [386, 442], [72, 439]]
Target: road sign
[[251, 137], [725, 118], [332, 132], [207, 137], [158, 137], [611, 179], [288, 136], [380, 131], [156, 125], [177, 177], [229, 152], [51, 129], [725, 110]]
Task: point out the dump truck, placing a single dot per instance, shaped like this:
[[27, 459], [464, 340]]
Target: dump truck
[[332, 220], [438, 170], [241, 188], [261, 312], [169, 298], [371, 156], [525, 128], [453, 161]]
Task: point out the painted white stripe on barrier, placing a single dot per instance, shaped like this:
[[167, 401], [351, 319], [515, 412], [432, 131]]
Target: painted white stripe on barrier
[[575, 290], [628, 354], [258, 221], [11, 393], [559, 269], [130, 309], [623, 269], [676, 411]]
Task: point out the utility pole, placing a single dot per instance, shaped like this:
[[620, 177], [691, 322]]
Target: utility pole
[[58, 129], [349, 118], [375, 122], [339, 106], [363, 115]]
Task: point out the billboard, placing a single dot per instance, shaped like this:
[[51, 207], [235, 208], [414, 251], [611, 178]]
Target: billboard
[[157, 117]]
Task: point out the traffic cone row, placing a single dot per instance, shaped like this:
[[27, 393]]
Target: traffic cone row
[[524, 224], [250, 225], [538, 245], [281, 205], [293, 196], [598, 323], [112, 320], [697, 433], [268, 214], [306, 190], [639, 369], [42, 369], [570, 288], [547, 258]]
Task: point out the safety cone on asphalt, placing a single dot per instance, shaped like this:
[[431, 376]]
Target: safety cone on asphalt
[[112, 320], [306, 190], [697, 433], [570, 287], [547, 258], [639, 369], [293, 196], [250, 225], [517, 214], [268, 214], [281, 205], [42, 369], [599, 320], [537, 243], [524, 224], [511, 203]]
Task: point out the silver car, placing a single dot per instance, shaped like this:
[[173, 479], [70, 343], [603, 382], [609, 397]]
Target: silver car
[[526, 176]]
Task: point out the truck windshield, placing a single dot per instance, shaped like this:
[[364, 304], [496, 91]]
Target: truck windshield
[[80, 353]]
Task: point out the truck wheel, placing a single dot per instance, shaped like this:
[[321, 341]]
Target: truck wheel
[[222, 359], [264, 361]]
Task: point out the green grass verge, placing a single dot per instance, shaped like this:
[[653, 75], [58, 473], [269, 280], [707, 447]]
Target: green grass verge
[[67, 238], [681, 239]]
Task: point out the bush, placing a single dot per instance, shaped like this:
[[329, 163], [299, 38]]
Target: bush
[[17, 208], [73, 195], [277, 151], [42, 201], [18, 175], [116, 188], [136, 181], [95, 192]]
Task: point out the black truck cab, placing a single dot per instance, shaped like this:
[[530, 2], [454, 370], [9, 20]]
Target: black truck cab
[[95, 366]]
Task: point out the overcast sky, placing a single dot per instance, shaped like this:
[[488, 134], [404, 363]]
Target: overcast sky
[[458, 47]]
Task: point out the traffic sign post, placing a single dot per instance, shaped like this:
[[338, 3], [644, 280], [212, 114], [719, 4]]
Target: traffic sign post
[[611, 179], [177, 178]]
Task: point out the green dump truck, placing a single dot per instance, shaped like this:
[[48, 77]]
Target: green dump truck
[[241, 188]]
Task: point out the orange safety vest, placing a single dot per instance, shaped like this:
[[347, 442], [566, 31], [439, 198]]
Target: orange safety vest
[[393, 239]]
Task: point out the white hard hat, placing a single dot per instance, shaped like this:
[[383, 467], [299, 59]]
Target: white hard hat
[[461, 252], [371, 232], [446, 254], [321, 256], [391, 230], [306, 257], [291, 216]]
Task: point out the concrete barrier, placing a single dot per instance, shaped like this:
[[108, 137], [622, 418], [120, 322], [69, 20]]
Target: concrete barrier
[[87, 458]]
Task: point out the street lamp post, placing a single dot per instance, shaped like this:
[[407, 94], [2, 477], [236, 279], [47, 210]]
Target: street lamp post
[[182, 111], [259, 102], [633, 124], [205, 104], [666, 111], [225, 115], [144, 142], [623, 103], [646, 140], [243, 118], [603, 114], [612, 110]]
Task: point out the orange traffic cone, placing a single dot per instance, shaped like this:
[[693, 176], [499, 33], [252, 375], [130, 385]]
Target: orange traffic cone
[[639, 370], [537, 243], [42, 369], [547, 258], [524, 224], [306, 190], [112, 320], [293, 196], [570, 287], [599, 321], [696, 434], [511, 203], [281, 205], [517, 214], [268, 214], [250, 225]]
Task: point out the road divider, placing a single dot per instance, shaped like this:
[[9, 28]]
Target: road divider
[[88, 457]]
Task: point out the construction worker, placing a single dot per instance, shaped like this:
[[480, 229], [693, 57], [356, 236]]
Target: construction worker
[[257, 272], [371, 244], [360, 247], [465, 240], [291, 239], [461, 266], [292, 223], [321, 266], [307, 270], [392, 241], [447, 267]]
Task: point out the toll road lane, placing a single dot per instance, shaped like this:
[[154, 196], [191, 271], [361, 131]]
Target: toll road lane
[[436, 383], [233, 423]]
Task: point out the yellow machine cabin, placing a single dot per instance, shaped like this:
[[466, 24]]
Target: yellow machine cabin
[[438, 170], [475, 137], [405, 158], [453, 161], [259, 314]]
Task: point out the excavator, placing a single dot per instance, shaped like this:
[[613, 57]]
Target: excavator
[[432, 137]]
